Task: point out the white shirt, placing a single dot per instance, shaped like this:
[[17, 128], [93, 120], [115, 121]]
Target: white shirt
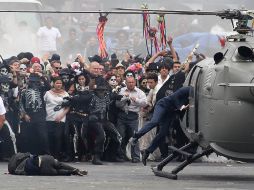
[[140, 99], [151, 97], [160, 82], [47, 38], [52, 100], [2, 108]]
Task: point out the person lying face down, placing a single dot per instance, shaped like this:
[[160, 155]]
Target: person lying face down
[[45, 165]]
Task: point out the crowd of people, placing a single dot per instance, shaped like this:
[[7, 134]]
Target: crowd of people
[[89, 110]]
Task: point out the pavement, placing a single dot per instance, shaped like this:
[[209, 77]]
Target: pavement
[[129, 176]]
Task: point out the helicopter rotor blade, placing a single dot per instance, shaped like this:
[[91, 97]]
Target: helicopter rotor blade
[[228, 14], [158, 11], [72, 12], [115, 11]]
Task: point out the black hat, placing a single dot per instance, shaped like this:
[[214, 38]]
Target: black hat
[[27, 55], [104, 60], [21, 55], [55, 57], [114, 61], [96, 58], [113, 56]]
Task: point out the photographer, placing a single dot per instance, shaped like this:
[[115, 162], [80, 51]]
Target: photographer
[[127, 120]]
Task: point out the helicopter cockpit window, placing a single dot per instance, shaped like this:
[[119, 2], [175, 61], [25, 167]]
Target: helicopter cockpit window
[[243, 54]]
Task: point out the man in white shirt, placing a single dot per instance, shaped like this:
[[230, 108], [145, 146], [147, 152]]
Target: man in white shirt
[[127, 119], [152, 82], [48, 36], [2, 113]]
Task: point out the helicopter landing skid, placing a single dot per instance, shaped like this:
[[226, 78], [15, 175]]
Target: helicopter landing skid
[[163, 174], [157, 170]]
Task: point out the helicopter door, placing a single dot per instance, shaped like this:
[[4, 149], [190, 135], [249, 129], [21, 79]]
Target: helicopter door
[[192, 113]]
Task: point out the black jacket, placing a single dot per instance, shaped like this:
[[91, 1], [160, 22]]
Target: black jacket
[[174, 82]]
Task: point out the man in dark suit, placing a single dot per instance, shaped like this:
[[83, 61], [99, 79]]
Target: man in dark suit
[[174, 82], [163, 115]]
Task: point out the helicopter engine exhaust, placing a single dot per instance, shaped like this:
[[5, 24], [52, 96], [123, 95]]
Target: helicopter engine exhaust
[[244, 53]]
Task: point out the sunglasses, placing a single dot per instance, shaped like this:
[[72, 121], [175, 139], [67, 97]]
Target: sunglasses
[[58, 68], [112, 79]]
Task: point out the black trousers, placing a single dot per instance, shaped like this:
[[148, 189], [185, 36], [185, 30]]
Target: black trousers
[[55, 137], [37, 137], [51, 166], [95, 136], [75, 142], [113, 141], [6, 143]]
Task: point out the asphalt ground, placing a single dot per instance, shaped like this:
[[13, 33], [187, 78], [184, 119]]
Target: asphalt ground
[[129, 176]]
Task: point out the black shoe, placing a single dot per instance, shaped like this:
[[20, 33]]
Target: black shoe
[[96, 160], [145, 155], [135, 160]]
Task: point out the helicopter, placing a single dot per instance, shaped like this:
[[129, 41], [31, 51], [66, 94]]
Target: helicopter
[[219, 118]]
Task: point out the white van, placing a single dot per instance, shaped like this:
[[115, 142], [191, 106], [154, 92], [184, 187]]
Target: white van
[[17, 30]]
